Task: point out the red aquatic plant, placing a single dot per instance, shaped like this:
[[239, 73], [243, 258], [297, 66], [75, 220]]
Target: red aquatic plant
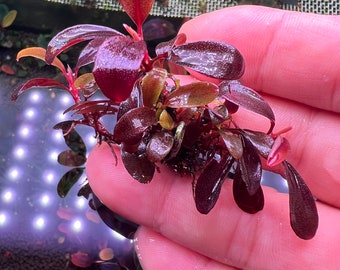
[[189, 127]]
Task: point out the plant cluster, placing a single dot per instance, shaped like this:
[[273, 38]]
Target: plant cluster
[[157, 119]]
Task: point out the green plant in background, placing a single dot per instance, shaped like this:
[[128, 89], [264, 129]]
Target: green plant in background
[[7, 16]]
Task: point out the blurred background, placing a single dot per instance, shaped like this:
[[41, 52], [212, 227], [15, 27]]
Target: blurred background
[[38, 229]]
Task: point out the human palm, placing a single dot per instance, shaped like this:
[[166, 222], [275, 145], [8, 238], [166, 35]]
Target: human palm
[[293, 60]]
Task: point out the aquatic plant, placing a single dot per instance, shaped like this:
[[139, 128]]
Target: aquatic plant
[[157, 119]]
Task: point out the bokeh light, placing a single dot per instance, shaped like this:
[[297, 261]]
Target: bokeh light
[[30, 113], [77, 226], [14, 173], [35, 97], [8, 195], [19, 152], [3, 219], [39, 223], [25, 131]]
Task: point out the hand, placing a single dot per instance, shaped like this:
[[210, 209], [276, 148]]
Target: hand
[[293, 60]]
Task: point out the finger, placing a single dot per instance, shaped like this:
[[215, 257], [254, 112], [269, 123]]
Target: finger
[[158, 252], [288, 54], [226, 234]]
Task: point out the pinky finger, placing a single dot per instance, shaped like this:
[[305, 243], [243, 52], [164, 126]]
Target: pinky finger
[[158, 252]]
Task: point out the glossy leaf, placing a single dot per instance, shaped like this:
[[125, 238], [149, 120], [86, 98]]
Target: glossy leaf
[[74, 35], [133, 101], [246, 98], [248, 203], [208, 185], [71, 158], [88, 54], [37, 83], [214, 59], [303, 212], [218, 114], [98, 107], [232, 107], [40, 53], [138, 10], [233, 143], [9, 18], [85, 191], [117, 223], [164, 48], [72, 138], [68, 180], [260, 140], [166, 121], [138, 166], [86, 84], [159, 146], [192, 95], [153, 83], [131, 125], [250, 167], [116, 67]]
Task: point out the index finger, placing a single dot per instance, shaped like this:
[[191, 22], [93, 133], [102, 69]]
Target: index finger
[[288, 54], [226, 234]]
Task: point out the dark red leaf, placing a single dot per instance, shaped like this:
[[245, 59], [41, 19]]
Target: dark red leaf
[[193, 130], [247, 98], [133, 101], [233, 142], [88, 54], [37, 83], [85, 191], [218, 114], [131, 125], [138, 166], [71, 158], [214, 59], [250, 167], [248, 203], [159, 146], [116, 67], [260, 140], [117, 223], [98, 107], [303, 212], [68, 180], [74, 35], [208, 186], [138, 10], [164, 48]]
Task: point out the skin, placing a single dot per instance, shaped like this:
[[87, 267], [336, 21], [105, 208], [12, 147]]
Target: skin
[[293, 60]]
